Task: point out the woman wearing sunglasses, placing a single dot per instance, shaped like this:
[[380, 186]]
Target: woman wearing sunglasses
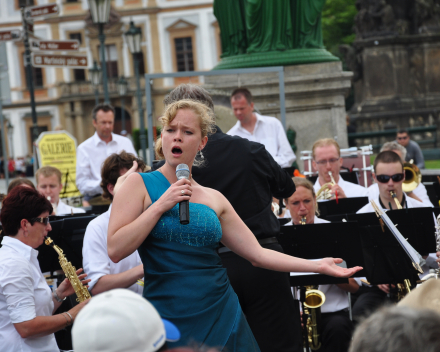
[[26, 301]]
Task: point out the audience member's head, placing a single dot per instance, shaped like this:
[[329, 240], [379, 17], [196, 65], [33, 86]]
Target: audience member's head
[[396, 148], [115, 166], [103, 120], [398, 329], [20, 181], [327, 157], [242, 105], [191, 92], [403, 137], [49, 183], [120, 320]]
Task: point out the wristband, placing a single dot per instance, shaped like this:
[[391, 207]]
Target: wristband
[[71, 318], [55, 295], [67, 320]]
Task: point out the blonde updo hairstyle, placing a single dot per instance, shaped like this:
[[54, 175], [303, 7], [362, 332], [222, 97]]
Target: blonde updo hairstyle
[[303, 182], [206, 121]]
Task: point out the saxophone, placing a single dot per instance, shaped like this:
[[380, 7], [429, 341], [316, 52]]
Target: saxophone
[[312, 308], [82, 293]]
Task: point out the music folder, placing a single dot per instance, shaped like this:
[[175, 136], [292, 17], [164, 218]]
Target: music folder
[[337, 240]]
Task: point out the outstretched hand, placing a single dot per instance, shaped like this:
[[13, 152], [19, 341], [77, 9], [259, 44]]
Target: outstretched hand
[[327, 266], [122, 178]]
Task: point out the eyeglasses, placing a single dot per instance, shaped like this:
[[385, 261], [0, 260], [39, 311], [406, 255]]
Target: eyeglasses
[[386, 178], [43, 221], [400, 138], [324, 162]]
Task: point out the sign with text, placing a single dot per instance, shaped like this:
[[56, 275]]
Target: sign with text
[[14, 34], [59, 45], [58, 149], [40, 11], [67, 61]]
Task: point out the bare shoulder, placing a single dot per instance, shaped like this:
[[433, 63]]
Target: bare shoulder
[[133, 189], [212, 198]]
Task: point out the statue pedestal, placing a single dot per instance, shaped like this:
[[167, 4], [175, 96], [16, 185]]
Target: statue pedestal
[[314, 94]]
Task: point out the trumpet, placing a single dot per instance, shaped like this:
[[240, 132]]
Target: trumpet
[[394, 196], [312, 308], [302, 221], [325, 191]]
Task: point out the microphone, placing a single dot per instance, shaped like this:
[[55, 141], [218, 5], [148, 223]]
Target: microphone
[[182, 171]]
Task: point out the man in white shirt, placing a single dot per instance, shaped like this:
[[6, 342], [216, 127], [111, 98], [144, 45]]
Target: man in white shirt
[[419, 193], [104, 274], [327, 157], [258, 128], [93, 151], [49, 184]]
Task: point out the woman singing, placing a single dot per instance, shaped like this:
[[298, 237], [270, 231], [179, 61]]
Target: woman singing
[[184, 278], [26, 301]]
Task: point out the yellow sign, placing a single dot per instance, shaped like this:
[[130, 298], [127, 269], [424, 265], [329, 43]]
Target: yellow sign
[[58, 149]]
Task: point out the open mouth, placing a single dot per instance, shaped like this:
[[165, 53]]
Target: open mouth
[[176, 150]]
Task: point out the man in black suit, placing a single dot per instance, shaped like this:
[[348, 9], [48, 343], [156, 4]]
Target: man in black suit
[[247, 175]]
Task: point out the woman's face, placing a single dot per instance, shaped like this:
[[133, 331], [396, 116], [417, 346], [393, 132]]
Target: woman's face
[[37, 232], [182, 138], [302, 204]]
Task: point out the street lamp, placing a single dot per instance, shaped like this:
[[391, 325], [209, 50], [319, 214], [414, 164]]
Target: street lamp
[[122, 88], [100, 11], [134, 37], [10, 134], [95, 78]]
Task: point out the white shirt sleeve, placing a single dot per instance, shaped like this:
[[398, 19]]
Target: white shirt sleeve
[[17, 286], [421, 192], [285, 156], [84, 180]]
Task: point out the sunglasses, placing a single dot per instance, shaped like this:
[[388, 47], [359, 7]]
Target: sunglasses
[[400, 138], [386, 178], [43, 221]]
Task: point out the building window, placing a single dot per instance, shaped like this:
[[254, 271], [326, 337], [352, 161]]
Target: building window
[[184, 54], [23, 3], [79, 75], [76, 36], [140, 57], [111, 59], [37, 75]]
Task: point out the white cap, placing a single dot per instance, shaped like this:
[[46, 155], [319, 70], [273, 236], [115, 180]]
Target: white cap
[[120, 321]]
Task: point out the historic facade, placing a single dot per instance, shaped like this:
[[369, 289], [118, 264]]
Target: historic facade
[[178, 35]]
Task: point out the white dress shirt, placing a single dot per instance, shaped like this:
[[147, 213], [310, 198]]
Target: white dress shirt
[[270, 132], [419, 191], [350, 189], [411, 202], [90, 156], [64, 209], [95, 255], [24, 295]]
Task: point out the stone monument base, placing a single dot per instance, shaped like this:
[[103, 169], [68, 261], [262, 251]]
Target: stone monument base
[[314, 94], [276, 58]]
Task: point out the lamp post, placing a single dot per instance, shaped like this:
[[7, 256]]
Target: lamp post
[[133, 37], [122, 88], [95, 78], [10, 134], [100, 11]]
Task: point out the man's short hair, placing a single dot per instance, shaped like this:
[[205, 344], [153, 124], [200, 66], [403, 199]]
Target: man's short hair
[[403, 130], [242, 92], [47, 171], [325, 142], [189, 91], [112, 166], [387, 157], [393, 146], [398, 329], [103, 107]]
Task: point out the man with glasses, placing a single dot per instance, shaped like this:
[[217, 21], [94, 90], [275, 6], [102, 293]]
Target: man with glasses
[[413, 151], [327, 157]]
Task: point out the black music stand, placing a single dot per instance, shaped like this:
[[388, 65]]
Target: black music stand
[[333, 210], [283, 221], [337, 240]]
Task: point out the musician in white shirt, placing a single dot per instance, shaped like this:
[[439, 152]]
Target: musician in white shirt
[[336, 324], [266, 130], [93, 151], [419, 193], [49, 185], [327, 158], [103, 273]]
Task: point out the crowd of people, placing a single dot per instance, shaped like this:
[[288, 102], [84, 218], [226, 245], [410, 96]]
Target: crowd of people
[[220, 282]]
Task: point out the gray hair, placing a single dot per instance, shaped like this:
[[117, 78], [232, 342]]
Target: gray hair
[[398, 329], [191, 92], [394, 146]]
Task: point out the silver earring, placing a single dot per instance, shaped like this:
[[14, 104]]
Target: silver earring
[[201, 155]]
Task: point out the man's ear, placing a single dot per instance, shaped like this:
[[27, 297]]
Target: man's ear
[[110, 189], [374, 176]]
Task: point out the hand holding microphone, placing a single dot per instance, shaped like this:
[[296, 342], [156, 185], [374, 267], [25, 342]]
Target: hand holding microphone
[[182, 171]]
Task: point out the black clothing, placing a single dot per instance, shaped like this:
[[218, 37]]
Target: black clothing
[[337, 330], [368, 299], [247, 175]]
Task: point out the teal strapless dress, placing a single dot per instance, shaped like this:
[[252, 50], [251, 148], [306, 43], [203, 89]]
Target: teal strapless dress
[[185, 279]]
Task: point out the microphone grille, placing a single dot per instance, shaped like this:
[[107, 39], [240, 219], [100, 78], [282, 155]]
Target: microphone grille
[[182, 171]]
